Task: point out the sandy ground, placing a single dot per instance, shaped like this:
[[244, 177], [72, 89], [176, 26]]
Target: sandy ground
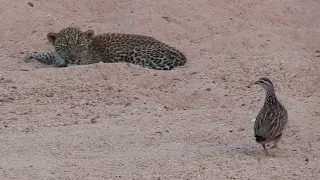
[[120, 121]]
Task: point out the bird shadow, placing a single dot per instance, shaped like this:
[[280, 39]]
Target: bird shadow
[[256, 152]]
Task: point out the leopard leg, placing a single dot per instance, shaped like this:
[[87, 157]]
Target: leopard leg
[[48, 57], [59, 62]]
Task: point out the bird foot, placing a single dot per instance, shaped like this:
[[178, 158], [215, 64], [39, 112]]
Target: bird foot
[[265, 149], [274, 147]]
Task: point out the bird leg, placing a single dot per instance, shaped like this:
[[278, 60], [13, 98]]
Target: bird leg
[[275, 144], [265, 149], [276, 141]]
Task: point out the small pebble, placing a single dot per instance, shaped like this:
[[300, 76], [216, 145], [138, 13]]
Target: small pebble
[[30, 4], [5, 100], [94, 119], [127, 104], [49, 94]]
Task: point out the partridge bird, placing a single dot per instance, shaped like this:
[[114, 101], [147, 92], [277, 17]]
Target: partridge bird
[[272, 118]]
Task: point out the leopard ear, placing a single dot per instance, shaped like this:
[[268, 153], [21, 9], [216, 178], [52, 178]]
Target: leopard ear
[[52, 37], [88, 34]]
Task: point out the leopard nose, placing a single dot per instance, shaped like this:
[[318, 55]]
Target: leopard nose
[[73, 56]]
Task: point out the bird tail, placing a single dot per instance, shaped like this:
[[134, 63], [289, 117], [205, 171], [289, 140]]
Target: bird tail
[[260, 139]]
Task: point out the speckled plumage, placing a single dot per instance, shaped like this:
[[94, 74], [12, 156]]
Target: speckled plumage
[[272, 118]]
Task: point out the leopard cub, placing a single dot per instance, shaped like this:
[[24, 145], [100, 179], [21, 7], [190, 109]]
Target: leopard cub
[[72, 46]]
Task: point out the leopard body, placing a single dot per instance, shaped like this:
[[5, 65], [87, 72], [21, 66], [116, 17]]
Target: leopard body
[[72, 46]]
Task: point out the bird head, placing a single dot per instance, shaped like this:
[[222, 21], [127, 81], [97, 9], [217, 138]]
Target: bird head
[[265, 83]]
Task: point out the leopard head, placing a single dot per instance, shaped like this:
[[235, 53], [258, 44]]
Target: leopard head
[[71, 44]]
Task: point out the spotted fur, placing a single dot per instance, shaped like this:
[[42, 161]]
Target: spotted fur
[[48, 57], [72, 46]]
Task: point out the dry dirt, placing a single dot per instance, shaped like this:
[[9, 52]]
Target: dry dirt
[[121, 121]]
